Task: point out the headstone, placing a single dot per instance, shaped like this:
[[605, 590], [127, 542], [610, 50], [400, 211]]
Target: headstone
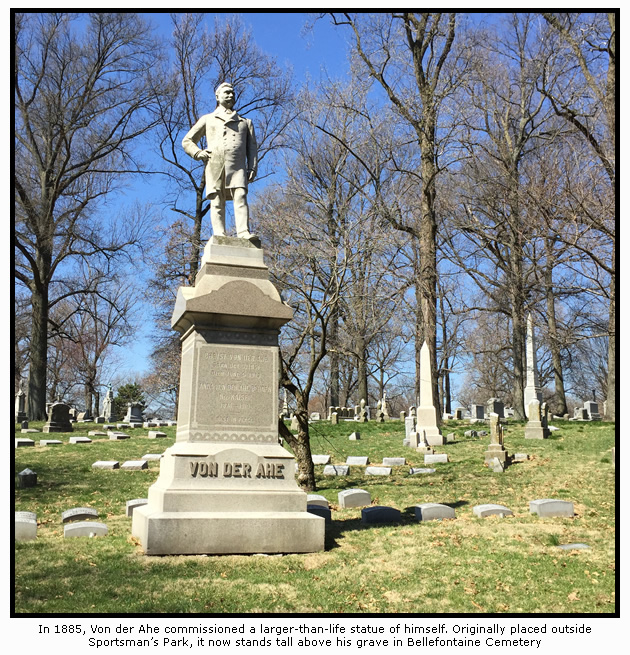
[[97, 433], [450, 437], [318, 510], [117, 436], [108, 406], [316, 416], [78, 514], [102, 464], [336, 469], [459, 413], [546, 507], [441, 458], [20, 405], [433, 511], [136, 502], [496, 465], [150, 424], [27, 479], [380, 514], [421, 440], [20, 443], [85, 529], [334, 418], [421, 471], [363, 412], [592, 409], [357, 460], [152, 457], [496, 450], [320, 459], [532, 389], [403, 416], [50, 442], [426, 414], [24, 425], [99, 419], [79, 440], [295, 426], [495, 406], [355, 436], [477, 411], [394, 461], [156, 434], [58, 419], [84, 417], [378, 470], [410, 425], [534, 428], [490, 509], [134, 413], [520, 457], [135, 465], [316, 499], [25, 526], [573, 546], [353, 498]]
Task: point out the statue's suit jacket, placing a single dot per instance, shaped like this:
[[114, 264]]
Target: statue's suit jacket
[[232, 142]]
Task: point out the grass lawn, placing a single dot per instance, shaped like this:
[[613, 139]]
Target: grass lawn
[[464, 565]]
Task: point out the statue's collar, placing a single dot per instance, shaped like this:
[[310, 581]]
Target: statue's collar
[[221, 113]]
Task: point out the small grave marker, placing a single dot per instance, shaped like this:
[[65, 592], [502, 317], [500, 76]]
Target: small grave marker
[[353, 498], [321, 459], [551, 507], [25, 527], [490, 509], [78, 514], [380, 514], [337, 469], [378, 470], [80, 440], [136, 502], [420, 471], [355, 436], [316, 499], [85, 529], [135, 465], [357, 461], [439, 458], [102, 464], [20, 443], [318, 510], [394, 461], [433, 512], [27, 479], [156, 434], [50, 442]]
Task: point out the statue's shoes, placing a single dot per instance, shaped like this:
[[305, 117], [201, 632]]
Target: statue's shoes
[[247, 235]]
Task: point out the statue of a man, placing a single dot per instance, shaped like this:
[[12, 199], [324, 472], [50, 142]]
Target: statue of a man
[[231, 160]]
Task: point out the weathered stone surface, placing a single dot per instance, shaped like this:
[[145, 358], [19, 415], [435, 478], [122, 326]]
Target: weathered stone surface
[[420, 471], [50, 442], [380, 514], [316, 499], [336, 469], [135, 465], [378, 470], [97, 433], [433, 511], [102, 464], [355, 436], [136, 502], [80, 440], [318, 510], [28, 431], [321, 459], [20, 443], [156, 434], [353, 498], [572, 546], [471, 433], [450, 437], [496, 465], [546, 507], [85, 529], [31, 516], [78, 514], [152, 456], [438, 458], [355, 460], [394, 461], [25, 527], [490, 509], [520, 457], [58, 419], [27, 478]]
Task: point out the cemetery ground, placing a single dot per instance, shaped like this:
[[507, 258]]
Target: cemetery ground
[[465, 565]]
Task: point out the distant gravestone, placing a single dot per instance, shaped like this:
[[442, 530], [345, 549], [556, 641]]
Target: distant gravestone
[[520, 457], [316, 499], [50, 442], [79, 440], [320, 459], [134, 413], [316, 416], [353, 498], [152, 456], [24, 425], [58, 419], [459, 413], [394, 461], [433, 512], [28, 430], [156, 434], [27, 479], [490, 509], [450, 437], [85, 529], [439, 458], [295, 426], [573, 546], [380, 514], [108, 406], [471, 433], [421, 471], [536, 427], [378, 470], [355, 436], [318, 510], [136, 502], [338, 469], [78, 514], [97, 433], [20, 404], [477, 411], [135, 465], [549, 507], [117, 436], [103, 464], [357, 460], [495, 406], [25, 526], [334, 418], [21, 443]]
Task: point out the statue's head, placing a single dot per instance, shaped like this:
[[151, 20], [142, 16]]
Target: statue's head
[[225, 94]]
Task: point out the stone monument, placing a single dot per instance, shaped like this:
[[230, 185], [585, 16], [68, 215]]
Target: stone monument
[[536, 427], [20, 403], [495, 447], [532, 389], [108, 406], [226, 485], [134, 413], [426, 415], [58, 418]]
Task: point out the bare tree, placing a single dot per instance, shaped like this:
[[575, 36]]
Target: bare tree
[[82, 97]]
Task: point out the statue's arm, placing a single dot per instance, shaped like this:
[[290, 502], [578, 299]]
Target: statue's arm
[[252, 152], [196, 132]]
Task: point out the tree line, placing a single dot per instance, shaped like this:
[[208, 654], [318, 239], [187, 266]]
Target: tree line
[[459, 177]]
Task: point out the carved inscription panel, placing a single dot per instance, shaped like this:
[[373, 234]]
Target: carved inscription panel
[[236, 387]]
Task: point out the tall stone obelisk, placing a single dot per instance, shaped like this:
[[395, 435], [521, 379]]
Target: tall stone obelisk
[[226, 485], [532, 389], [426, 413]]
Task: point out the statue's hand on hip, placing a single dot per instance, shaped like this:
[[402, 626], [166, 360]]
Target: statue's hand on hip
[[203, 154]]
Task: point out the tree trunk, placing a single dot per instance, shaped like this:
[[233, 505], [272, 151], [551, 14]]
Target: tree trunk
[[362, 370], [301, 447], [36, 397], [610, 413], [333, 327]]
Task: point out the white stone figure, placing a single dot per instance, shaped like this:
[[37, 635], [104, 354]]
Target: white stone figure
[[231, 158], [426, 414]]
